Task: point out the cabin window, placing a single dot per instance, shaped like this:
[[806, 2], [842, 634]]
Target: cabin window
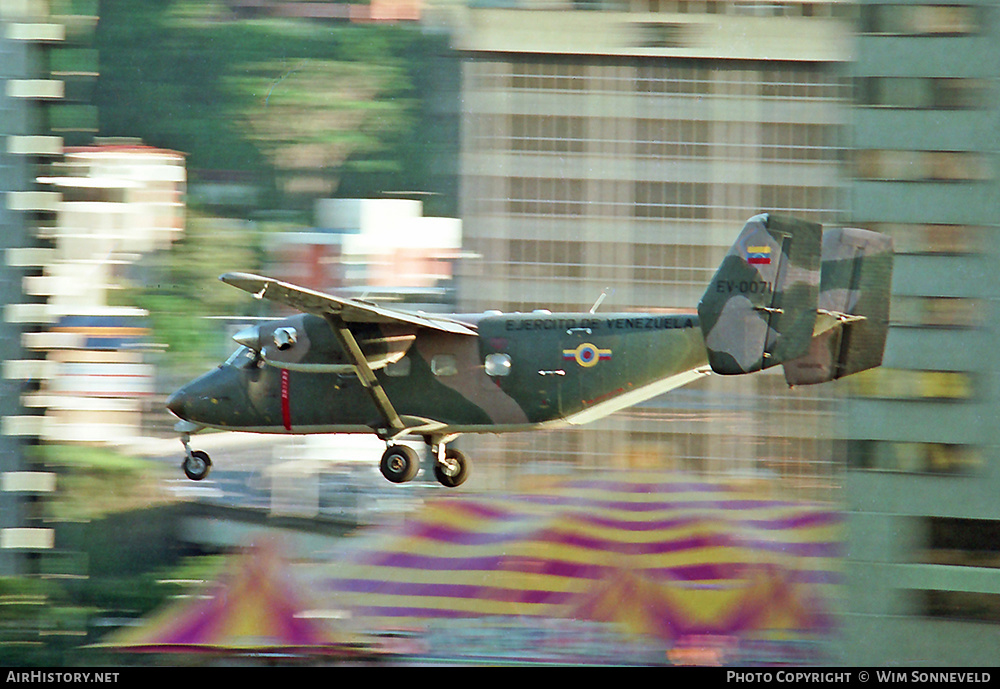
[[498, 365], [444, 365], [398, 369], [244, 357]]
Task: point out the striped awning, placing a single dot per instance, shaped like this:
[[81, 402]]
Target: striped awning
[[658, 553]]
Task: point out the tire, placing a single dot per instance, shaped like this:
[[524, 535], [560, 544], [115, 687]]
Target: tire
[[197, 465], [453, 471], [400, 463]]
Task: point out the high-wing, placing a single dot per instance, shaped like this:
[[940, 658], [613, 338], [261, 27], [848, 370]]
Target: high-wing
[[348, 310]]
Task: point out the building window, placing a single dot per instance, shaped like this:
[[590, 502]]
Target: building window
[[902, 384], [961, 605], [920, 166], [913, 457], [921, 93], [784, 142], [931, 238], [800, 84], [540, 196], [546, 258], [547, 134], [920, 20], [548, 76], [671, 264], [660, 78], [803, 201], [672, 138], [962, 542], [672, 200], [937, 312]]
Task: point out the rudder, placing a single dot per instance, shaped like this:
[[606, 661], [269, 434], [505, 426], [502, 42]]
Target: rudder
[[853, 324]]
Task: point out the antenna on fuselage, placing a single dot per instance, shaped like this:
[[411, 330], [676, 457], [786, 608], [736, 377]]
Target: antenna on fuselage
[[600, 299]]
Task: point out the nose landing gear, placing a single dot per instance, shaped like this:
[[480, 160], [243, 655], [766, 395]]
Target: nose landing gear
[[196, 464]]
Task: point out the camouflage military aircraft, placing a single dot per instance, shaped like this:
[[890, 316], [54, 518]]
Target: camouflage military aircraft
[[788, 292]]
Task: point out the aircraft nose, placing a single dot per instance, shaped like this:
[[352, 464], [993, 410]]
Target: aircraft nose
[[177, 403], [194, 401], [213, 399]]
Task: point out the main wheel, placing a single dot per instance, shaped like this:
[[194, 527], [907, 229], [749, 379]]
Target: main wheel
[[400, 463], [453, 470], [197, 465]]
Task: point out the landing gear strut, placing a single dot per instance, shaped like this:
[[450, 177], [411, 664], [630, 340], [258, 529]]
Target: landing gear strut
[[452, 470], [196, 464]]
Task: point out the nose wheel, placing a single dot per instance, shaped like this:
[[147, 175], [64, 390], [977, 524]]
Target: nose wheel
[[196, 464]]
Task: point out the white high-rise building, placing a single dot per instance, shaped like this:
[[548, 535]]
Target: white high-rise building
[[620, 147]]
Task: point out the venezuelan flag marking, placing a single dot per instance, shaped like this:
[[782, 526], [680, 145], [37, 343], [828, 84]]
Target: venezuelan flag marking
[[759, 255]]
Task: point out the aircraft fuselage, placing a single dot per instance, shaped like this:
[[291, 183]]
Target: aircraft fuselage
[[522, 371], [787, 293]]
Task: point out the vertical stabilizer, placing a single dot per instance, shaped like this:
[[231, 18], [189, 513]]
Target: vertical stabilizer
[[760, 308], [853, 304]]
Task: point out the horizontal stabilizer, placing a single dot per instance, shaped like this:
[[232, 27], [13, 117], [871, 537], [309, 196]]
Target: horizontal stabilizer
[[853, 324], [760, 308]]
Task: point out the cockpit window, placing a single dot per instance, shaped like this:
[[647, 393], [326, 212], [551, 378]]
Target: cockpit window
[[244, 357]]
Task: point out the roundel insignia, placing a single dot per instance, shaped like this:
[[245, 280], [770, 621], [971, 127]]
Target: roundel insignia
[[587, 355]]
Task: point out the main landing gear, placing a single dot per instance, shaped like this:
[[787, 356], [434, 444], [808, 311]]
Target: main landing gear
[[400, 463]]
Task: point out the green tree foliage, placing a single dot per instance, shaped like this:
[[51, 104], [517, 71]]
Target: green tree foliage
[[291, 102], [38, 626], [306, 109], [308, 118], [164, 85], [181, 291]]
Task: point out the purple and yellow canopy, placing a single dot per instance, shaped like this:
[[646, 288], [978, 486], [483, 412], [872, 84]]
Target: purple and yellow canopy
[[255, 607], [658, 553]]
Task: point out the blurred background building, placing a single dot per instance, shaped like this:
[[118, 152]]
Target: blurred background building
[[384, 249], [46, 68], [622, 147], [605, 147], [118, 200], [75, 215], [923, 470]]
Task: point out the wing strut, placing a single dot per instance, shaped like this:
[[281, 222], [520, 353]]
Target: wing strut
[[393, 424]]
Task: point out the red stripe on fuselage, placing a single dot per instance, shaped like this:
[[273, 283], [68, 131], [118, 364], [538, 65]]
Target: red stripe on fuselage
[[286, 412]]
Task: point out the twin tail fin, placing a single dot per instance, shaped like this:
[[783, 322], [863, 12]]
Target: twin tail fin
[[789, 293]]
